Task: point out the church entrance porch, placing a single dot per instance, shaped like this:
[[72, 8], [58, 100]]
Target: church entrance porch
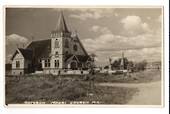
[[73, 65]]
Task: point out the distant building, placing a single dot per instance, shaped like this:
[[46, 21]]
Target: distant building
[[61, 51], [153, 65]]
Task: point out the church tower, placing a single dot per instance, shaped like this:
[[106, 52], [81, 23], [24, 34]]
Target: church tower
[[60, 43]]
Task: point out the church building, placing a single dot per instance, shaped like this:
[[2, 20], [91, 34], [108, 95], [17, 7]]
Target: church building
[[62, 51]]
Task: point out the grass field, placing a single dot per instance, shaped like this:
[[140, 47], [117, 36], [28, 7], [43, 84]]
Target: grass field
[[50, 88], [53, 89]]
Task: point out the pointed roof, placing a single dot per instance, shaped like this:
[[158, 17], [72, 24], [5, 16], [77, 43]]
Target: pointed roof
[[61, 25], [81, 45], [26, 53], [41, 48], [79, 58]]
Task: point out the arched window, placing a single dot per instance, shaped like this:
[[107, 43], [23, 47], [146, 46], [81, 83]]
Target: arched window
[[56, 63], [17, 64], [66, 43], [56, 43], [47, 63], [75, 47]]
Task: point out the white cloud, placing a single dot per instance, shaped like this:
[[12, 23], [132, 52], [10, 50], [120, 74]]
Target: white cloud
[[86, 15], [100, 29], [133, 25], [109, 41], [139, 47], [149, 18], [95, 28], [116, 14], [91, 13], [15, 39]]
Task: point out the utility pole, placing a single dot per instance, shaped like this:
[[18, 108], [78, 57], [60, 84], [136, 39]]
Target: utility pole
[[122, 62]]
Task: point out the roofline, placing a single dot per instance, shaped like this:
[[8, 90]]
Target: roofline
[[72, 57], [15, 53], [82, 45], [61, 18]]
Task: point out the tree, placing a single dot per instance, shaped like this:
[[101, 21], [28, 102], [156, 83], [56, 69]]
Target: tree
[[117, 63], [140, 66], [106, 67], [93, 56]]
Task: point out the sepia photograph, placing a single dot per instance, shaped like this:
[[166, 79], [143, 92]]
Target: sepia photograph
[[84, 56]]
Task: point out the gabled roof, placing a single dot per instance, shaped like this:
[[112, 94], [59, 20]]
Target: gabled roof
[[61, 25], [35, 50], [81, 58], [26, 53], [40, 48], [81, 45], [68, 56]]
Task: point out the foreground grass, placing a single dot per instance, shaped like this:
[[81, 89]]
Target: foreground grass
[[51, 88]]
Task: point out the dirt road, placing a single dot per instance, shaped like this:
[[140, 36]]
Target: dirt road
[[149, 93]]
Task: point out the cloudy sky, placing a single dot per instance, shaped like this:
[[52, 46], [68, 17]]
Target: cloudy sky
[[107, 32]]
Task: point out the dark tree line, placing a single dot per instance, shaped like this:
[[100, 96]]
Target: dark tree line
[[116, 65], [140, 66]]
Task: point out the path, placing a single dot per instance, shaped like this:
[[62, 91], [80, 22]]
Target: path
[[149, 93]]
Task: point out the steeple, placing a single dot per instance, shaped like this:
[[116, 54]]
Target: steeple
[[61, 25]]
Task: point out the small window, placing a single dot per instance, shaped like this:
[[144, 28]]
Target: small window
[[47, 63], [56, 63], [75, 47], [56, 53], [56, 43], [17, 64]]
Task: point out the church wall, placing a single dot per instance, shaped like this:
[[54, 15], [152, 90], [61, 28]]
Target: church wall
[[18, 71], [59, 50], [26, 63]]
